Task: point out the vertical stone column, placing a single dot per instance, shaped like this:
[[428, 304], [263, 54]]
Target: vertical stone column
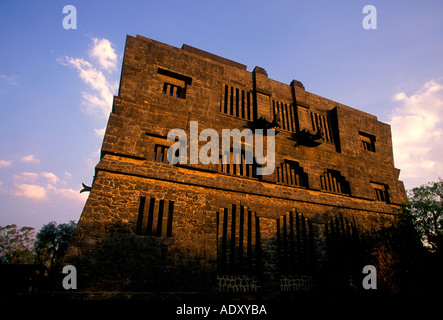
[[302, 109], [262, 94], [269, 257]]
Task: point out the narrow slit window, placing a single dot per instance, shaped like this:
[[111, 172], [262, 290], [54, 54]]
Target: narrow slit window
[[158, 220], [237, 240], [170, 216], [321, 123], [240, 167], [141, 210], [290, 173], [333, 181], [236, 102]]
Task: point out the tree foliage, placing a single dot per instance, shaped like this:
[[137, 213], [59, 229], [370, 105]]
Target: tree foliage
[[426, 207], [23, 246], [52, 242], [16, 246]]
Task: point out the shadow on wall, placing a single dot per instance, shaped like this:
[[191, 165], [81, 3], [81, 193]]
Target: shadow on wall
[[283, 257], [125, 261]]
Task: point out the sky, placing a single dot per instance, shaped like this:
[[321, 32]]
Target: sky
[[57, 84]]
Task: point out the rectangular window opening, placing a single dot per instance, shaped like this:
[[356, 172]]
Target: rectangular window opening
[[381, 192], [174, 84], [367, 141], [160, 153]]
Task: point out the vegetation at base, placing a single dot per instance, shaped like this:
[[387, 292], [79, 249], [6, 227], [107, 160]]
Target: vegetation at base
[[29, 261]]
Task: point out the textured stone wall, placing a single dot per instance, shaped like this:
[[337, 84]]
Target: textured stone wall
[[296, 284], [237, 283]]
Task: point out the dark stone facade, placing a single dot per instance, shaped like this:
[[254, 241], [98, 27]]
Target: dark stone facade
[[149, 226]]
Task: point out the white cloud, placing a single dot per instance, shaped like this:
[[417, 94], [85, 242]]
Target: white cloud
[[417, 133], [12, 80], [30, 159], [100, 132], [42, 186], [26, 185], [98, 99], [26, 177], [5, 163], [93, 158], [68, 193], [30, 191], [103, 52], [52, 178]]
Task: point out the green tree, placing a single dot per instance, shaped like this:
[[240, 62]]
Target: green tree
[[52, 242], [16, 246], [426, 208]]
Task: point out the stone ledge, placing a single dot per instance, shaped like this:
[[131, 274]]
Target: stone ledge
[[166, 172]]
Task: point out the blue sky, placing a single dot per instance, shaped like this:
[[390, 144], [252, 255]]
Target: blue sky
[[56, 85]]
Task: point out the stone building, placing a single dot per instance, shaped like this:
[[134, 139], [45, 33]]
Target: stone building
[[150, 226]]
